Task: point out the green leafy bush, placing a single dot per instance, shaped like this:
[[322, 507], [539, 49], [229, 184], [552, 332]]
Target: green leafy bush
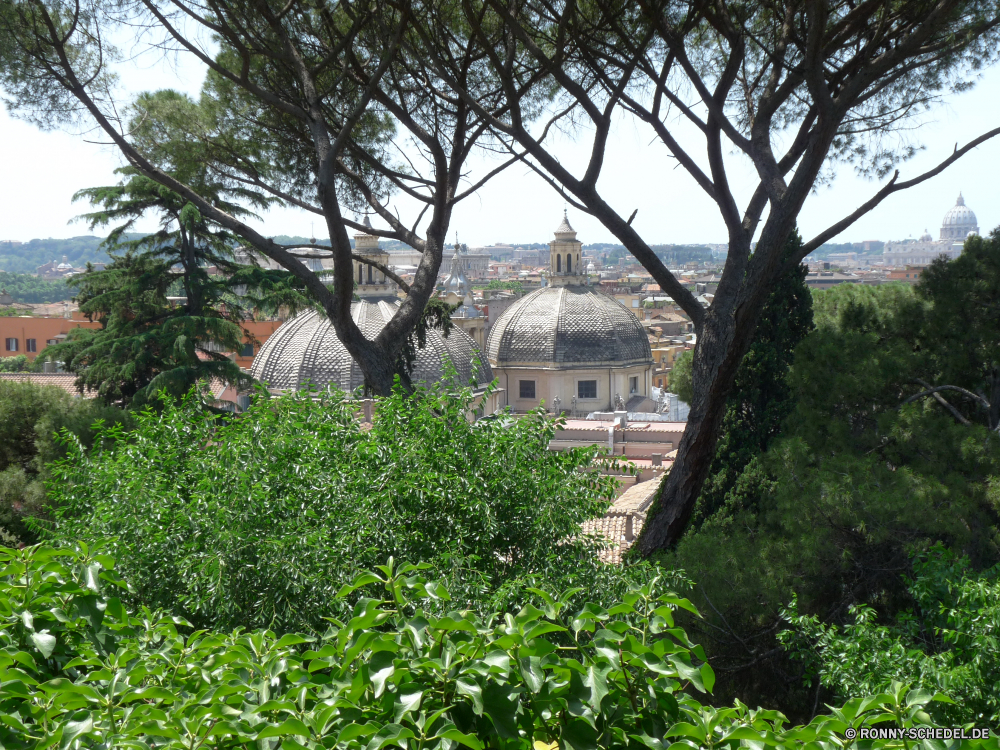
[[948, 641], [19, 363], [31, 416], [77, 669], [857, 482], [31, 290], [258, 520]]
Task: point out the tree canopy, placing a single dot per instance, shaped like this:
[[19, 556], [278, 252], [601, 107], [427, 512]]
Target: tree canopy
[[860, 482], [149, 342], [258, 520], [795, 88], [332, 111]]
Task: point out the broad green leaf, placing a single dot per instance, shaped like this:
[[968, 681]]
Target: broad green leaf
[[290, 726], [381, 668], [466, 686], [579, 735], [390, 734], [597, 680], [44, 642], [466, 739], [407, 701], [500, 707]]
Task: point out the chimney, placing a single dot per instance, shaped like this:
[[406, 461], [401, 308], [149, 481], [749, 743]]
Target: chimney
[[629, 526]]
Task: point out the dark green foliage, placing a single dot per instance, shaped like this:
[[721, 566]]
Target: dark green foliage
[[28, 256], [258, 520], [947, 641], [680, 377], [31, 290], [961, 332], [31, 416], [147, 343], [857, 482], [511, 286], [19, 363], [78, 669]]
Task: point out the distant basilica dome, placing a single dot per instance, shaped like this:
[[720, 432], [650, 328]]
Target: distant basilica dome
[[305, 351], [959, 222]]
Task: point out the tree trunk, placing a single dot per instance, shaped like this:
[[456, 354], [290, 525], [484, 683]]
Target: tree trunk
[[717, 355], [725, 337]]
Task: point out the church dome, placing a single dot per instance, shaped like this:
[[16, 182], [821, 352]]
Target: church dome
[[568, 326], [958, 221], [305, 351]]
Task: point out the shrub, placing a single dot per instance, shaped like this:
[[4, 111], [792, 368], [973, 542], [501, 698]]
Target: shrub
[[77, 669], [947, 641], [258, 520], [31, 416]]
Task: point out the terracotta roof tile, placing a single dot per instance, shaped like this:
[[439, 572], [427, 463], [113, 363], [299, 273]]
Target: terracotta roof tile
[[63, 380], [619, 529]]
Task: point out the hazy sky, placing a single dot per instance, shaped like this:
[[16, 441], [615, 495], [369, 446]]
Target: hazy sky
[[42, 170]]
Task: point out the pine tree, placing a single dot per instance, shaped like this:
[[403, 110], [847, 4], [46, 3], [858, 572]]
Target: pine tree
[[171, 303]]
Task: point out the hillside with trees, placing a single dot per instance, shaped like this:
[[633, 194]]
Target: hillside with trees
[[31, 290], [25, 257]]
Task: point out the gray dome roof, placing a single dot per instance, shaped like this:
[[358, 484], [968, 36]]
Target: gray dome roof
[[306, 351], [959, 215], [568, 325]]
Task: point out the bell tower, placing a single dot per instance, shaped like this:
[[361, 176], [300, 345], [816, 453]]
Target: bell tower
[[370, 282], [565, 256]]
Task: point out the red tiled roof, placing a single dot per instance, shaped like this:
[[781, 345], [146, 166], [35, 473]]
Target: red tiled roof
[[63, 380]]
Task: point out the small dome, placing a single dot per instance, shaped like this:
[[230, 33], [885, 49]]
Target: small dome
[[958, 222], [306, 351], [568, 325]]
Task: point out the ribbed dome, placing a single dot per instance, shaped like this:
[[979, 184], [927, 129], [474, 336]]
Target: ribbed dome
[[959, 216], [306, 351], [568, 325]]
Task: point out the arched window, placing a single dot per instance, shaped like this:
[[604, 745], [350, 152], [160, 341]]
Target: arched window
[[558, 263], [569, 263]]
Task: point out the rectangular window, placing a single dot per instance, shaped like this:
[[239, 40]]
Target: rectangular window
[[526, 388], [586, 389], [30, 345], [247, 350], [12, 345], [633, 384]]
